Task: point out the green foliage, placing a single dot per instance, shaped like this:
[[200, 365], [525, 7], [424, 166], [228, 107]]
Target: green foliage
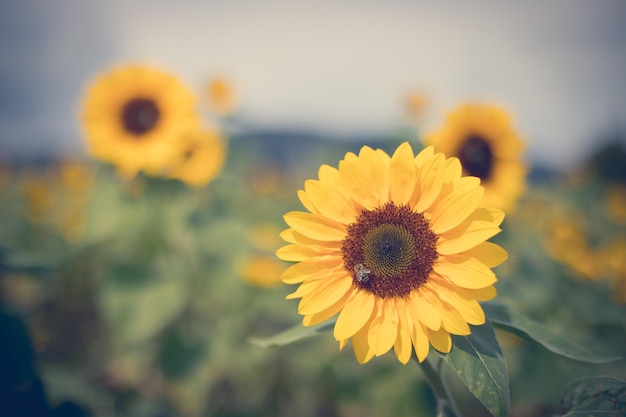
[[479, 363], [595, 396], [508, 319], [291, 335], [147, 312]]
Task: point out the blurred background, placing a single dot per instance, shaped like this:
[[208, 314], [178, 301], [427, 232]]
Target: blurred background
[[104, 314], [339, 69]]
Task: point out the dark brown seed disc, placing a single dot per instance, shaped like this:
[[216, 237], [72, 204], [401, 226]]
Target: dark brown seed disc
[[390, 251]]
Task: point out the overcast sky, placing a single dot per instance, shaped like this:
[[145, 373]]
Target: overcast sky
[[337, 67]]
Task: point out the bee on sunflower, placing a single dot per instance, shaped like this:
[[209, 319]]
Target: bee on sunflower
[[397, 247], [484, 139], [134, 117]]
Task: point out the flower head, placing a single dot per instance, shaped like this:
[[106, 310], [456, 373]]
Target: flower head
[[485, 141], [205, 153], [221, 96], [134, 116], [395, 245]]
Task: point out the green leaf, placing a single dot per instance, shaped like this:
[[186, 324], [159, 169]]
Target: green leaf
[[507, 319], [293, 334], [478, 361], [598, 396], [180, 353], [137, 313]]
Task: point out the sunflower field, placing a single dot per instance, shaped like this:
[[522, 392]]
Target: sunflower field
[[190, 265]]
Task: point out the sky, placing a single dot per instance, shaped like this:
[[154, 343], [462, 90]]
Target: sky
[[337, 68]]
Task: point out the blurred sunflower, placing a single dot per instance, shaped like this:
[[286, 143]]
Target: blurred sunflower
[[39, 195], [134, 116], [489, 148], [395, 245], [261, 270], [616, 203], [221, 96], [203, 158], [415, 105]]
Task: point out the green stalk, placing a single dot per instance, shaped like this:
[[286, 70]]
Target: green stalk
[[445, 404]]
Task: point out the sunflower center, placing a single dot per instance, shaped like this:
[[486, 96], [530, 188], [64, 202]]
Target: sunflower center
[[139, 115], [476, 157], [390, 251]]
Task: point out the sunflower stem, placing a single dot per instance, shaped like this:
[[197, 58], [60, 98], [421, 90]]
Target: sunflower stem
[[445, 404]]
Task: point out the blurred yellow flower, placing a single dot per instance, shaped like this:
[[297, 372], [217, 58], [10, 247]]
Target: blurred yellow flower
[[134, 116], [616, 203], [416, 104], [75, 176], [39, 196], [395, 245], [489, 148], [264, 236], [261, 270], [566, 241], [203, 159], [221, 96]]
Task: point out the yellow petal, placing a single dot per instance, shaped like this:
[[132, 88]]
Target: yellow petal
[[288, 236], [467, 235], [464, 271], [384, 328], [379, 170], [311, 268], [343, 343], [325, 295], [478, 294], [441, 340], [403, 346], [330, 176], [296, 253], [362, 349], [328, 203], [430, 182], [402, 174], [488, 253], [455, 207], [314, 226], [421, 309], [326, 248], [453, 169], [313, 319], [424, 156], [452, 321], [470, 310], [311, 285], [354, 315], [419, 337], [358, 184], [496, 215], [306, 201]]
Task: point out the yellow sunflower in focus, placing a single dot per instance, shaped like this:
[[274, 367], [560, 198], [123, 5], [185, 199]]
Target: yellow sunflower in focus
[[485, 141], [203, 158], [134, 116], [395, 245]]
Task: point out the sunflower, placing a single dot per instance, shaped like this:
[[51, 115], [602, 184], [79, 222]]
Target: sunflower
[[261, 270], [221, 96], [134, 116], [203, 159], [395, 245], [489, 148]]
